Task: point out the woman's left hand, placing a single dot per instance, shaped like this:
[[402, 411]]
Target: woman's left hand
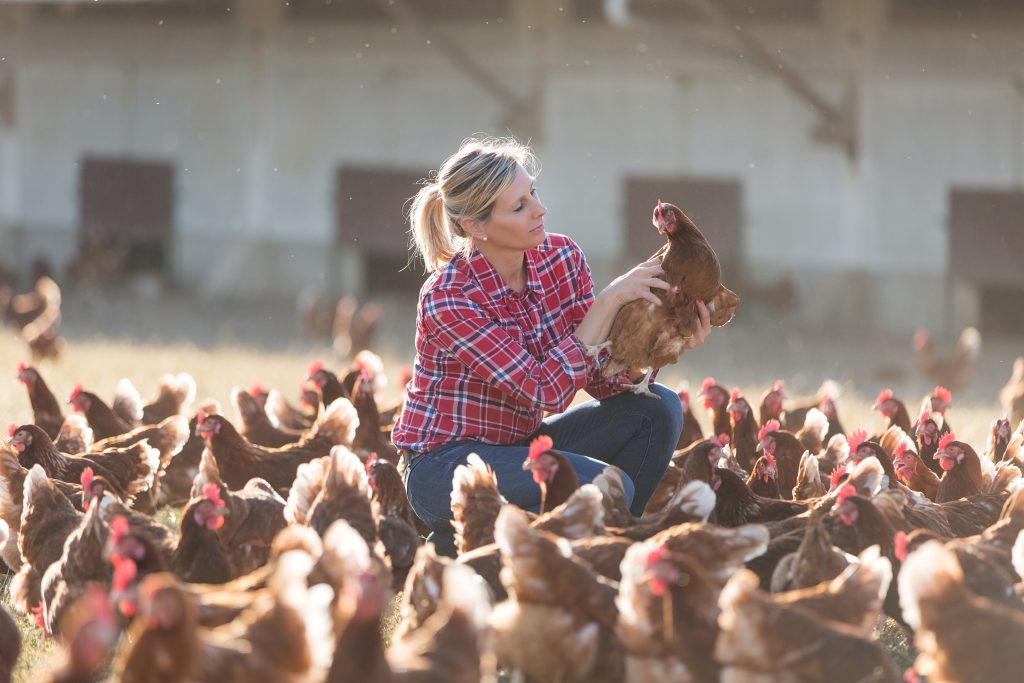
[[703, 330]]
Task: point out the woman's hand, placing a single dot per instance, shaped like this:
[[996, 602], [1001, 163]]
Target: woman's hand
[[703, 330], [636, 284]]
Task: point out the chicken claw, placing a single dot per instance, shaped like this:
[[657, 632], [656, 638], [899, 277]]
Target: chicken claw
[[593, 351], [642, 388]]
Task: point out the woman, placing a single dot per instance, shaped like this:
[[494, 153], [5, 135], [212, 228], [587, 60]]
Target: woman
[[505, 331]]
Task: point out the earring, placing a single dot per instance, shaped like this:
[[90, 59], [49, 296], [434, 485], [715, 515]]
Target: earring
[[483, 237]]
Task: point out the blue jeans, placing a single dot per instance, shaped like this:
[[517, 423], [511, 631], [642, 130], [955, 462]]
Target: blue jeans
[[635, 433]]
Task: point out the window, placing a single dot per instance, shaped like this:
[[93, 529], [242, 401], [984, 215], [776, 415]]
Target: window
[[370, 10], [714, 205], [370, 207], [126, 214], [906, 12], [680, 10]]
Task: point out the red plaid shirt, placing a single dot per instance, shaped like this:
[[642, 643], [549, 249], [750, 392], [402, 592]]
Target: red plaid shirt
[[491, 361]]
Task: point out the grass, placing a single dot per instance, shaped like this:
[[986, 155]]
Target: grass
[[99, 364]]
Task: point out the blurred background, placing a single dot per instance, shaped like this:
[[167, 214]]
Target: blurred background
[[222, 171]]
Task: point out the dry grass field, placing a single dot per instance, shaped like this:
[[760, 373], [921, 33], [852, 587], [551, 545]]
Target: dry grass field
[[227, 346]]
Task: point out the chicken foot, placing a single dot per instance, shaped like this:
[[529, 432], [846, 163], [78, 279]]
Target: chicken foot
[[643, 387]]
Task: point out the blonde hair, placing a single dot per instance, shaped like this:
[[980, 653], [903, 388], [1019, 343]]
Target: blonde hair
[[467, 186]]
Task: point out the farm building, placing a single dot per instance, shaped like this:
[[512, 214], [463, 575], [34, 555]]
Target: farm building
[[861, 161]]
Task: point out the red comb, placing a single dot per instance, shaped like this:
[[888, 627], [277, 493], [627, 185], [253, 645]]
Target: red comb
[[947, 438], [118, 528], [924, 417], [707, 384], [837, 475], [12, 429], [21, 367], [256, 391], [857, 437], [125, 571], [845, 493], [883, 396], [201, 416], [655, 554], [900, 543], [86, 478], [38, 612], [769, 427], [910, 676], [211, 492], [315, 367], [75, 392], [735, 395], [539, 445], [900, 449], [370, 461], [723, 439], [944, 394], [659, 207], [779, 385]]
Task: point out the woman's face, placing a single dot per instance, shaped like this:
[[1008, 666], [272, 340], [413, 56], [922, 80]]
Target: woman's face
[[517, 219]]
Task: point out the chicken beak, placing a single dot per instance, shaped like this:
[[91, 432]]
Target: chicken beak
[[759, 448]]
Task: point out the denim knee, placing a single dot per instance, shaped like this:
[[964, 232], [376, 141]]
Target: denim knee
[[668, 412]]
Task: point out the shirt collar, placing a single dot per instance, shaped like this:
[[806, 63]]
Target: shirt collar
[[493, 284]]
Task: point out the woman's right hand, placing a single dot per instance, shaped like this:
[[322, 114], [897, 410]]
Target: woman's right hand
[[636, 284]]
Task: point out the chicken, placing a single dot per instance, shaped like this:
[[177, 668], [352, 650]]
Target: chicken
[[91, 631], [369, 436], [961, 637], [82, 560], [354, 326], [771, 403], [853, 598], [716, 401], [998, 439], [963, 474], [691, 428], [36, 315], [552, 471], [764, 640], [697, 462], [46, 411], [815, 561], [1011, 396], [893, 411], [808, 479], [560, 619], [256, 425], [254, 516], [175, 397], [176, 482], [287, 416], [284, 636], [331, 488], [452, 645], [240, 460], [913, 472], [744, 430], [862, 448], [327, 383], [736, 504], [813, 432], [47, 519], [128, 470], [396, 522], [953, 370], [931, 427], [787, 451], [645, 336], [476, 503], [75, 435], [422, 591], [764, 478], [200, 556], [122, 416], [10, 636], [668, 612]]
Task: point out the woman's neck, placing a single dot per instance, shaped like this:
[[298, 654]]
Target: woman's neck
[[511, 265]]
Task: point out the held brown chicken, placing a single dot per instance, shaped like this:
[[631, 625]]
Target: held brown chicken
[[647, 337]]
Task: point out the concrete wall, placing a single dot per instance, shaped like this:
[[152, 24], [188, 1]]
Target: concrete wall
[[258, 111]]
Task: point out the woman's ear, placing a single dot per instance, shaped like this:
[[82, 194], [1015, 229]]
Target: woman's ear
[[472, 227]]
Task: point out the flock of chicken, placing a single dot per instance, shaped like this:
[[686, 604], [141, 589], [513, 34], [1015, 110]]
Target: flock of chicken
[[770, 552]]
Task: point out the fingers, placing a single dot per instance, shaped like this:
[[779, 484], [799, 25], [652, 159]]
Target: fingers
[[705, 316]]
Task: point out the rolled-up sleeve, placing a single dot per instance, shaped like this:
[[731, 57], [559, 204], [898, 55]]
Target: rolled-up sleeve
[[453, 322]]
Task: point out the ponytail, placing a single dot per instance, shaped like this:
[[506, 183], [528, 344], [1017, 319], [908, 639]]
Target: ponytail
[[432, 232]]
